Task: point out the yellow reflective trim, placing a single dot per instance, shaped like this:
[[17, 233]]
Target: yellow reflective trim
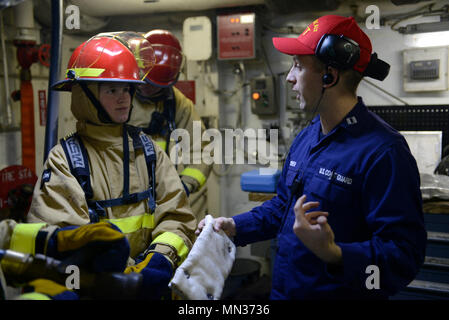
[[134, 223], [175, 241], [33, 296], [86, 72], [195, 174], [161, 143], [24, 237]]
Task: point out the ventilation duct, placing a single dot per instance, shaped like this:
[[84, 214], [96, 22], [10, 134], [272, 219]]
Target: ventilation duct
[[293, 6], [138, 7], [403, 2]]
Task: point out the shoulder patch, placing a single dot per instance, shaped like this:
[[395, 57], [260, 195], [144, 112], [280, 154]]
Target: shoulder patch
[[46, 175]]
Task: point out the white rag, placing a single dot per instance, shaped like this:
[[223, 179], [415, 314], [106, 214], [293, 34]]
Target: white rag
[[202, 275]]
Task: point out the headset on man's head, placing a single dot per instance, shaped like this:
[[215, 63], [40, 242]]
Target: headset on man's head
[[343, 53]]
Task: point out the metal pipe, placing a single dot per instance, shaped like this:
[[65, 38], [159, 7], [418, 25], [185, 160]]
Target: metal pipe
[[385, 91], [9, 114], [51, 129]]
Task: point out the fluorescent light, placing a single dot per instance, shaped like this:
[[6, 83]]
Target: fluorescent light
[[428, 39]]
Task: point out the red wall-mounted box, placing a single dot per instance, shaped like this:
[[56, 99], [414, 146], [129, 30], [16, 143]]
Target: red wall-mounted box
[[236, 36], [187, 87]]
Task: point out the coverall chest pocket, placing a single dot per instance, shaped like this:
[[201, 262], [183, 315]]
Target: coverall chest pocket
[[332, 192], [292, 173]]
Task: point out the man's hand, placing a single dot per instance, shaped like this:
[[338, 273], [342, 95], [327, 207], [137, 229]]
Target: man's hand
[[314, 231], [221, 223]]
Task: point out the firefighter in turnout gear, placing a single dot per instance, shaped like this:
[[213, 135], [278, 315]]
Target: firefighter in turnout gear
[[110, 171], [161, 108]]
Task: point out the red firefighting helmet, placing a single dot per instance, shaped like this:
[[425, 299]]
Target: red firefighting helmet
[[169, 58], [139, 46], [101, 59]]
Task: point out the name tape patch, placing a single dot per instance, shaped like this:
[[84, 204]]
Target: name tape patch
[[332, 175]]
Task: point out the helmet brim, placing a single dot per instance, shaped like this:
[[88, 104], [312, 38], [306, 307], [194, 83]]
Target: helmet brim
[[66, 85]]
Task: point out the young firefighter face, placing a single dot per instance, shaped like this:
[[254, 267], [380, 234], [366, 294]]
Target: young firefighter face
[[116, 100]]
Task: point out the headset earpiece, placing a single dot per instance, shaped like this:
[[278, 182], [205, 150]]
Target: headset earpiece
[[337, 51], [328, 78]]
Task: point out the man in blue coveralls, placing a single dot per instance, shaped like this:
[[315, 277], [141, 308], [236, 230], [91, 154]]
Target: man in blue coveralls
[[348, 201]]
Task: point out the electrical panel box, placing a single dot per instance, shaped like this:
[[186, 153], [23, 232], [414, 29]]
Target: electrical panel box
[[262, 96], [197, 34], [425, 69], [236, 36]]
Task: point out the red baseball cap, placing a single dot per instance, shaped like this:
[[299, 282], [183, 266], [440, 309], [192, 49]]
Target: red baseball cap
[[306, 43]]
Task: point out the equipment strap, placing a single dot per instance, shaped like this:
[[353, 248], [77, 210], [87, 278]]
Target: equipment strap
[[79, 166]]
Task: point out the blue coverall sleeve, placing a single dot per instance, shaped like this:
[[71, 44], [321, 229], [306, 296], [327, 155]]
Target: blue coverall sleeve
[[262, 222], [393, 212]]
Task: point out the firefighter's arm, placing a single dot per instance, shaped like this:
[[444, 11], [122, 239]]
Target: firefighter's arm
[[175, 223], [194, 176], [58, 198]]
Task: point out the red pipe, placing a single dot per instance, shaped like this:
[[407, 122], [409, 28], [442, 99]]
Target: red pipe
[[27, 54], [27, 116]]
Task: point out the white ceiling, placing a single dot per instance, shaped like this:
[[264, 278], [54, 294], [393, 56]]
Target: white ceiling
[[101, 8]]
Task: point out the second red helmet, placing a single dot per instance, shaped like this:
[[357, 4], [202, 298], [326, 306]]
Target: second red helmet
[[169, 58]]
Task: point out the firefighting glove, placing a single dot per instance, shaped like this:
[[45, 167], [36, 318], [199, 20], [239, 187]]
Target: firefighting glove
[[157, 272], [97, 247], [44, 289]]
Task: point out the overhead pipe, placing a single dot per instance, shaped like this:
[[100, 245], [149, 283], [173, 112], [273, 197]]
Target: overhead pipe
[[139, 7], [51, 130]]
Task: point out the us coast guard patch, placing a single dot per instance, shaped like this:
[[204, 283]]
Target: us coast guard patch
[[332, 175]]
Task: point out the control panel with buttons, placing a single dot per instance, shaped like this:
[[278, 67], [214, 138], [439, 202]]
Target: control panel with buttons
[[262, 96]]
